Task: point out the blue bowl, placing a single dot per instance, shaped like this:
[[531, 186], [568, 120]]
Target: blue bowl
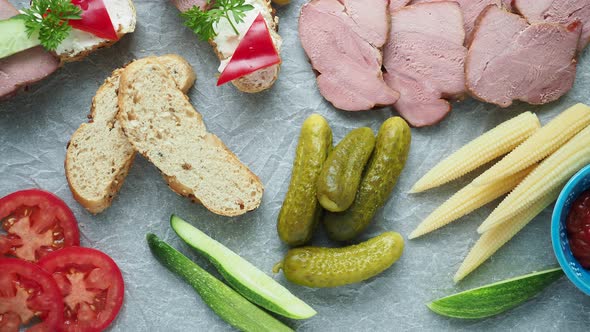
[[572, 190]]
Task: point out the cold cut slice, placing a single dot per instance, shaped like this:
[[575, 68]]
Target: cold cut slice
[[23, 68], [184, 5], [343, 41], [558, 11], [511, 60], [397, 4], [471, 10], [424, 58]]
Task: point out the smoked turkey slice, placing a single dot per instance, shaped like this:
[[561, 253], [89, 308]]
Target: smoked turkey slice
[[509, 59], [23, 68], [558, 11], [424, 58], [343, 40], [471, 10]]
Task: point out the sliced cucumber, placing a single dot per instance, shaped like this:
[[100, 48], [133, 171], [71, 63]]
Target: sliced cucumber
[[14, 37], [495, 298], [244, 277], [227, 303]]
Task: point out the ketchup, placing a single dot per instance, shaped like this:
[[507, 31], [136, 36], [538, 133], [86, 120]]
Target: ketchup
[[578, 229]]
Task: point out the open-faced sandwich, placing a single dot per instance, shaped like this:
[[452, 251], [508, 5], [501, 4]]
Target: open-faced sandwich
[[36, 41], [244, 35]]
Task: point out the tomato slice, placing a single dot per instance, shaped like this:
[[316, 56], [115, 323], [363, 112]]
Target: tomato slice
[[254, 52], [26, 292], [95, 19], [91, 285], [36, 223]]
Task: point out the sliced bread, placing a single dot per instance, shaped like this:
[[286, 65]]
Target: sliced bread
[[162, 125], [99, 156]]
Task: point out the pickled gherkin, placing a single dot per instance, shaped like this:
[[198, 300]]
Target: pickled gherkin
[[339, 180], [332, 267], [381, 174], [301, 211]]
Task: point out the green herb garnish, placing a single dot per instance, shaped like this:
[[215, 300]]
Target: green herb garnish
[[49, 18], [202, 21]]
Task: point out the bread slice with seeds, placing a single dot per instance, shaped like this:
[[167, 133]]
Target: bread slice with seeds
[[99, 156], [162, 125]]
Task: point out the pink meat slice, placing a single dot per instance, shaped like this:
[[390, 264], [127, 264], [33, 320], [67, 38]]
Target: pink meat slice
[[512, 60], [25, 67], [342, 41], [558, 11], [184, 5], [424, 58], [397, 4], [471, 10]]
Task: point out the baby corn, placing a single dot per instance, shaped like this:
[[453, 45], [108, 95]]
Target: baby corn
[[487, 147], [552, 173], [495, 238], [467, 200], [541, 144]]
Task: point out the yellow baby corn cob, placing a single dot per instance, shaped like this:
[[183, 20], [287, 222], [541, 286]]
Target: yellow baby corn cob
[[541, 144], [466, 201], [487, 147], [552, 173], [495, 238]]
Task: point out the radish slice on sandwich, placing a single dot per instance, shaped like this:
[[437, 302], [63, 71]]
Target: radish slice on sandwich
[[255, 51], [95, 19]]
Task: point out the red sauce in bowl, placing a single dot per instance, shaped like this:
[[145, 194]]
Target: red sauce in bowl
[[578, 229]]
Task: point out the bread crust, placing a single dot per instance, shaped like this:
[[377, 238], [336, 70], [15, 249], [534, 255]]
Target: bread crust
[[126, 117], [184, 81]]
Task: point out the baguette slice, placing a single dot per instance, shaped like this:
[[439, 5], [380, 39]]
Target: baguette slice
[[162, 125], [99, 156], [80, 44]]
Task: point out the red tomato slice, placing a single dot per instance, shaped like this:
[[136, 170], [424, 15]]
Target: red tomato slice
[[36, 223], [95, 19], [254, 52], [91, 285], [26, 292]]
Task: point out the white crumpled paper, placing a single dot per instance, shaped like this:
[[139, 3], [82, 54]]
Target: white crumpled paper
[[262, 129]]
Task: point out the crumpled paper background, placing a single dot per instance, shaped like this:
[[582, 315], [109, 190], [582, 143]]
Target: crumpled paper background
[[262, 130]]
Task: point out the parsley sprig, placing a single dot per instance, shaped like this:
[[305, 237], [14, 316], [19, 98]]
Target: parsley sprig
[[202, 22], [49, 18]]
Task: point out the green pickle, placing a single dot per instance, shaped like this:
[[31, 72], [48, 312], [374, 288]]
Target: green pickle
[[301, 211], [381, 174], [332, 267], [341, 175]]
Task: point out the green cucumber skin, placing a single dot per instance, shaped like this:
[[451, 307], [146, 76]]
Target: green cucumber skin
[[381, 174], [341, 174], [14, 37], [493, 299], [225, 302], [301, 210], [321, 267], [235, 283]]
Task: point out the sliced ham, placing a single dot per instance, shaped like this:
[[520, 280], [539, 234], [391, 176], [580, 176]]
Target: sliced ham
[[424, 58], [512, 60], [343, 41], [558, 11], [23, 68], [184, 5], [471, 10], [397, 4]]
